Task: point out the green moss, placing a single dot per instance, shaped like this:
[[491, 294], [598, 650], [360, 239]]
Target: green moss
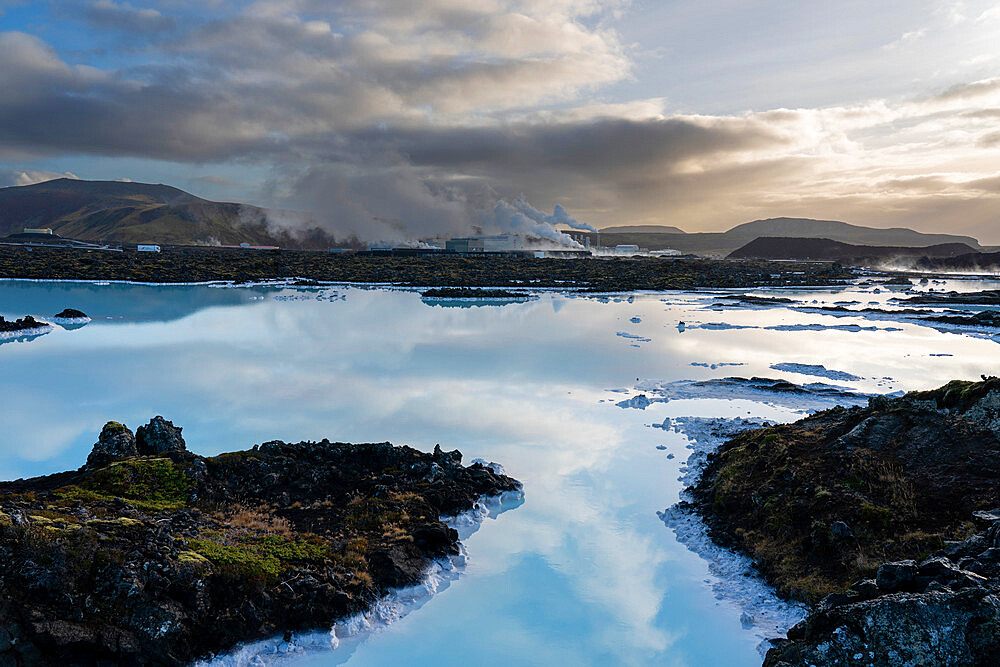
[[192, 558], [258, 558], [5, 519], [115, 427], [117, 522], [152, 485]]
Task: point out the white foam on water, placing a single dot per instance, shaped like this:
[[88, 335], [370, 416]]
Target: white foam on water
[[809, 396], [26, 333], [733, 578]]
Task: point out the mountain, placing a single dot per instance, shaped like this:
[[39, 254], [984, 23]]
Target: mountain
[[723, 243], [643, 229], [843, 232], [141, 213], [767, 247]]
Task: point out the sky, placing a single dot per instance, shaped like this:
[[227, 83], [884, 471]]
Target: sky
[[396, 119]]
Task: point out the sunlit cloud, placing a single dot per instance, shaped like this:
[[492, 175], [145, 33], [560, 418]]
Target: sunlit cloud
[[391, 120]]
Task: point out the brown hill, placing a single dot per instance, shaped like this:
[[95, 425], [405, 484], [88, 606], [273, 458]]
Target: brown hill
[[141, 213]]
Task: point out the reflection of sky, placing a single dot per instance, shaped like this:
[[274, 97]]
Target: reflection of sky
[[584, 572]]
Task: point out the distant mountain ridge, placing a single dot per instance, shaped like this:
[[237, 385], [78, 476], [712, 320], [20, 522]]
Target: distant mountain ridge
[[128, 212], [723, 243], [644, 229], [844, 232], [766, 247]]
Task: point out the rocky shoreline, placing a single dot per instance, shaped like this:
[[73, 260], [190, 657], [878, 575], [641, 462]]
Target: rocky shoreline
[[22, 326], [203, 264], [153, 555], [882, 517]]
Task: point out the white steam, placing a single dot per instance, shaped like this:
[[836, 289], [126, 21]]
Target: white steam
[[396, 204], [523, 219], [559, 215]]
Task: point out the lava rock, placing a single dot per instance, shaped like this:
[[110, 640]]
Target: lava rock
[[115, 442], [899, 629], [896, 576], [164, 560], [159, 436], [841, 531]]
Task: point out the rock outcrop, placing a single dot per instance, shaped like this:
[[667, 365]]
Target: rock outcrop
[[944, 610], [115, 442], [159, 436], [871, 514], [171, 557]]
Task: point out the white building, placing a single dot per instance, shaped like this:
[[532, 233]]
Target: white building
[[146, 247]]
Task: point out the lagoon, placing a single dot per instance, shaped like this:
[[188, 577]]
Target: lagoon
[[584, 571]]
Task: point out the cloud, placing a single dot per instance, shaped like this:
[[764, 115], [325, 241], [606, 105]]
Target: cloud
[[10, 177], [391, 120], [969, 91], [124, 18]]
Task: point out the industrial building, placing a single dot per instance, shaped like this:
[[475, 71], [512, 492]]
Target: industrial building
[[584, 238], [491, 244]]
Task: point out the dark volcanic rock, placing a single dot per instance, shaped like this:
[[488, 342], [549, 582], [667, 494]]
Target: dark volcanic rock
[[910, 476], [985, 318], [115, 442], [159, 436], [71, 314], [986, 297], [892, 577], [901, 629], [26, 323], [173, 557], [194, 264]]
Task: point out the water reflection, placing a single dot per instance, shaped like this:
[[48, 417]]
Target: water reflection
[[119, 301], [584, 572]]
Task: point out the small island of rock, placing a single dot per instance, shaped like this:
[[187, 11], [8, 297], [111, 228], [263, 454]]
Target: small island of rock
[[71, 314], [153, 555]]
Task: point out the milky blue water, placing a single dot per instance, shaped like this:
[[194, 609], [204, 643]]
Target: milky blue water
[[583, 572]]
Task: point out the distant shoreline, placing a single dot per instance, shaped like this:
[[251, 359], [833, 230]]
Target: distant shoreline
[[210, 265]]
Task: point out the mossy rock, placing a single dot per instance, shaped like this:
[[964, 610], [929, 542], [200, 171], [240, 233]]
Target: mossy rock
[[258, 558], [114, 427], [193, 558], [149, 484], [117, 522]]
